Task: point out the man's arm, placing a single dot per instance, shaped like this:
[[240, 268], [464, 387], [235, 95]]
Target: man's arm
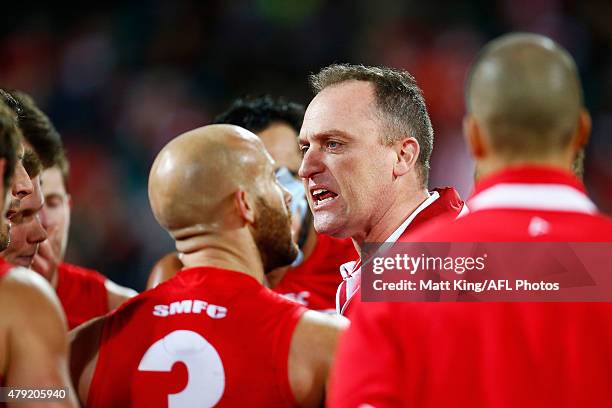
[[117, 294], [312, 351], [164, 269], [37, 344], [84, 346]]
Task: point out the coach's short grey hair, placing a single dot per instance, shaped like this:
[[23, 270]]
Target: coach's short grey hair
[[398, 98]]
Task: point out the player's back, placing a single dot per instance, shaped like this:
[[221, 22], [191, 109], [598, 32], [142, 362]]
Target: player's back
[[480, 355], [487, 354], [207, 337]]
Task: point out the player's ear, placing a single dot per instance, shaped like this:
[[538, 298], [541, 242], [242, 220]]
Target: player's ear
[[245, 206], [407, 154], [473, 137], [583, 130]]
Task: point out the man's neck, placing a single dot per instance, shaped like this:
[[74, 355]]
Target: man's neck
[[391, 219], [494, 165], [237, 253]]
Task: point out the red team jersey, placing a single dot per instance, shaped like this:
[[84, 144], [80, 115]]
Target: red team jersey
[[444, 205], [4, 267], [488, 354], [314, 282], [206, 337], [82, 293]]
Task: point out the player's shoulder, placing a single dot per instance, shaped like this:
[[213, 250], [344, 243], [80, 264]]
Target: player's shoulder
[[80, 273], [314, 323], [27, 294], [24, 286]]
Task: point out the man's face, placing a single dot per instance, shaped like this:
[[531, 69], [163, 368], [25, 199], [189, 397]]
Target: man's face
[[280, 141], [56, 210], [4, 206], [272, 227], [347, 171], [21, 186], [26, 229]]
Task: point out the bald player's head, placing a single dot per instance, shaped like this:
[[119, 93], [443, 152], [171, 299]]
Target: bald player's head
[[525, 95], [220, 178]]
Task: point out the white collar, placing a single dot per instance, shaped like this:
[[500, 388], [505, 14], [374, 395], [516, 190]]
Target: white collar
[[547, 197], [346, 269], [431, 197]]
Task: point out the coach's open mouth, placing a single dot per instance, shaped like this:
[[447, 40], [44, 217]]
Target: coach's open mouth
[[321, 196]]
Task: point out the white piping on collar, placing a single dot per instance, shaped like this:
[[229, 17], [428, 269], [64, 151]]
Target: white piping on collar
[[346, 269], [547, 197], [433, 196]]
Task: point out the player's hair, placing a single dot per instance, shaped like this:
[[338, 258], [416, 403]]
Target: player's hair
[[9, 139], [31, 163], [255, 113], [398, 98], [38, 130]]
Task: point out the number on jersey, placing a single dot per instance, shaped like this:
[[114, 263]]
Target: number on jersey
[[206, 381]]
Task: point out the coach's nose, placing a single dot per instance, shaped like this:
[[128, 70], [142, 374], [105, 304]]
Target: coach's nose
[[312, 163]]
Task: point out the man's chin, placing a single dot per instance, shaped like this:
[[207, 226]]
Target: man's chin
[[331, 228], [25, 261]]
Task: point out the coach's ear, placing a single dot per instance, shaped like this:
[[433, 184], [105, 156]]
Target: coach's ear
[[474, 137], [245, 206], [407, 155]]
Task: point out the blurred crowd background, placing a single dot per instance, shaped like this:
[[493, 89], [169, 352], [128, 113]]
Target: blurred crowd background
[[120, 80]]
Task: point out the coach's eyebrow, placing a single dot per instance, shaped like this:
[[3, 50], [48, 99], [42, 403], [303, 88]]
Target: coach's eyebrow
[[326, 135]]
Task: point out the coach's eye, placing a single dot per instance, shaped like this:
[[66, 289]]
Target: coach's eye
[[332, 144], [304, 149]]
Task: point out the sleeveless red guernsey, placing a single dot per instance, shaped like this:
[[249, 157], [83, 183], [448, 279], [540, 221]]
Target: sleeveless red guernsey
[[207, 337], [82, 293], [315, 281], [4, 267]]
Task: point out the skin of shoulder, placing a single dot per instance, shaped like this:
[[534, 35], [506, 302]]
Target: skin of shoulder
[[164, 269], [33, 333], [313, 346], [117, 294]]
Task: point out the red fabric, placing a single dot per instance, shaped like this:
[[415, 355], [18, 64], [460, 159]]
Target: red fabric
[[484, 354], [82, 293], [251, 336], [314, 282], [4, 267], [444, 210]]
